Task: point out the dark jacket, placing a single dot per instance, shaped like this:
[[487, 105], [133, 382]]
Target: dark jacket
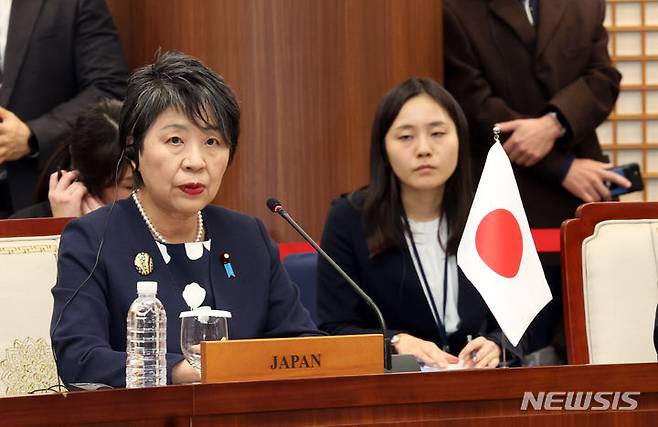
[[39, 210], [390, 279], [499, 67], [61, 56], [90, 340]]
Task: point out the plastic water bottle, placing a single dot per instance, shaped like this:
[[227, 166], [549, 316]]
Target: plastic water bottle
[[146, 339]]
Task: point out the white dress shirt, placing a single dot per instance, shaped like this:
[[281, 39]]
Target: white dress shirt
[[5, 12], [526, 7], [432, 256]]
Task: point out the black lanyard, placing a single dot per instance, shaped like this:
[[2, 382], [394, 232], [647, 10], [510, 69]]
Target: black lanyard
[[440, 322]]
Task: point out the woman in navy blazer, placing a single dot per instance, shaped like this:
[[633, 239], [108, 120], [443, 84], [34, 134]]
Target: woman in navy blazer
[[179, 128], [392, 236]]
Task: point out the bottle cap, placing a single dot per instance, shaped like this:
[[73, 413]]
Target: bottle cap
[[147, 288]]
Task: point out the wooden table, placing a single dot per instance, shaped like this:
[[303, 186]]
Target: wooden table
[[475, 397]]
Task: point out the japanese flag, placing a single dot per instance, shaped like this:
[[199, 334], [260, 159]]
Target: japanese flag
[[497, 252]]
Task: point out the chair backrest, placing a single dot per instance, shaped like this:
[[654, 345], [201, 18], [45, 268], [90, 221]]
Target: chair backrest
[[28, 270], [302, 269], [610, 282]]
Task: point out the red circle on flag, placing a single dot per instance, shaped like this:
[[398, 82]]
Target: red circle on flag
[[499, 242]]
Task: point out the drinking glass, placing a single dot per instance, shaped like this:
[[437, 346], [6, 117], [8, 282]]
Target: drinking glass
[[201, 325]]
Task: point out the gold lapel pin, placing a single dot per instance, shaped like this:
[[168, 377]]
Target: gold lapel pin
[[144, 263]]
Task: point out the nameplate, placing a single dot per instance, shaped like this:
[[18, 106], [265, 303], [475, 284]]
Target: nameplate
[[278, 358]]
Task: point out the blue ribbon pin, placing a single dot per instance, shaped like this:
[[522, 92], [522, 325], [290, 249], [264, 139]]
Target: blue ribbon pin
[[227, 265]]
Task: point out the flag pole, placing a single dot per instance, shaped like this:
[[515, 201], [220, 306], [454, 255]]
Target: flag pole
[[496, 132], [502, 345]]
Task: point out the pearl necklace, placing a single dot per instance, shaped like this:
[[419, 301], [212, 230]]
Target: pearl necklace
[[155, 232]]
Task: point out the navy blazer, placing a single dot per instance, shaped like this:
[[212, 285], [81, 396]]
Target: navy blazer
[[390, 279], [90, 339]]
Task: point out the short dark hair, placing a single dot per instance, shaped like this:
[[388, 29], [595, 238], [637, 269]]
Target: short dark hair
[[382, 209], [179, 81], [92, 148]]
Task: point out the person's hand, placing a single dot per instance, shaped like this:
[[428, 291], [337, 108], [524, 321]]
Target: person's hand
[[183, 372], [531, 139], [424, 351], [65, 194], [14, 136], [586, 180], [480, 353], [90, 203]]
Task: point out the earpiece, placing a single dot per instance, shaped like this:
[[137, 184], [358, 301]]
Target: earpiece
[[129, 152]]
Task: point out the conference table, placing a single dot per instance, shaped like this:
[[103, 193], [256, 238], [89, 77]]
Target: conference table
[[458, 398]]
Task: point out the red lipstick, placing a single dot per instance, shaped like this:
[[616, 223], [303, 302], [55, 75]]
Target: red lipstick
[[192, 189]]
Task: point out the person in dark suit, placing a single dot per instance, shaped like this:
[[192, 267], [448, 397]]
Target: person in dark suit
[[179, 126], [87, 170], [540, 71], [398, 237], [60, 56]]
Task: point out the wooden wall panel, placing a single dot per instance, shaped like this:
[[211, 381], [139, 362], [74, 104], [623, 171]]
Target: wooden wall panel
[[308, 75]]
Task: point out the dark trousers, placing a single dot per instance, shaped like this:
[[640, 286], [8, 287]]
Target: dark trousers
[[5, 195]]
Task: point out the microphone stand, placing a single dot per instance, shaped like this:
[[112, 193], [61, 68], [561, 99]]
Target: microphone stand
[[276, 207]]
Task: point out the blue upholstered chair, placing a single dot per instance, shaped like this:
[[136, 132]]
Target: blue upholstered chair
[[302, 270]]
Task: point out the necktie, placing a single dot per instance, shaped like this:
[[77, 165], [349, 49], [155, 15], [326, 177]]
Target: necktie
[[531, 8]]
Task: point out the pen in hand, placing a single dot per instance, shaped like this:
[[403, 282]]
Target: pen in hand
[[474, 354]]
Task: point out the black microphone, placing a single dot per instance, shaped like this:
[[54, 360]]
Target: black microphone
[[275, 206]]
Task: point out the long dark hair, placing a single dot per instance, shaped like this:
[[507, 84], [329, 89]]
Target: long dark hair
[[92, 148], [382, 209]]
